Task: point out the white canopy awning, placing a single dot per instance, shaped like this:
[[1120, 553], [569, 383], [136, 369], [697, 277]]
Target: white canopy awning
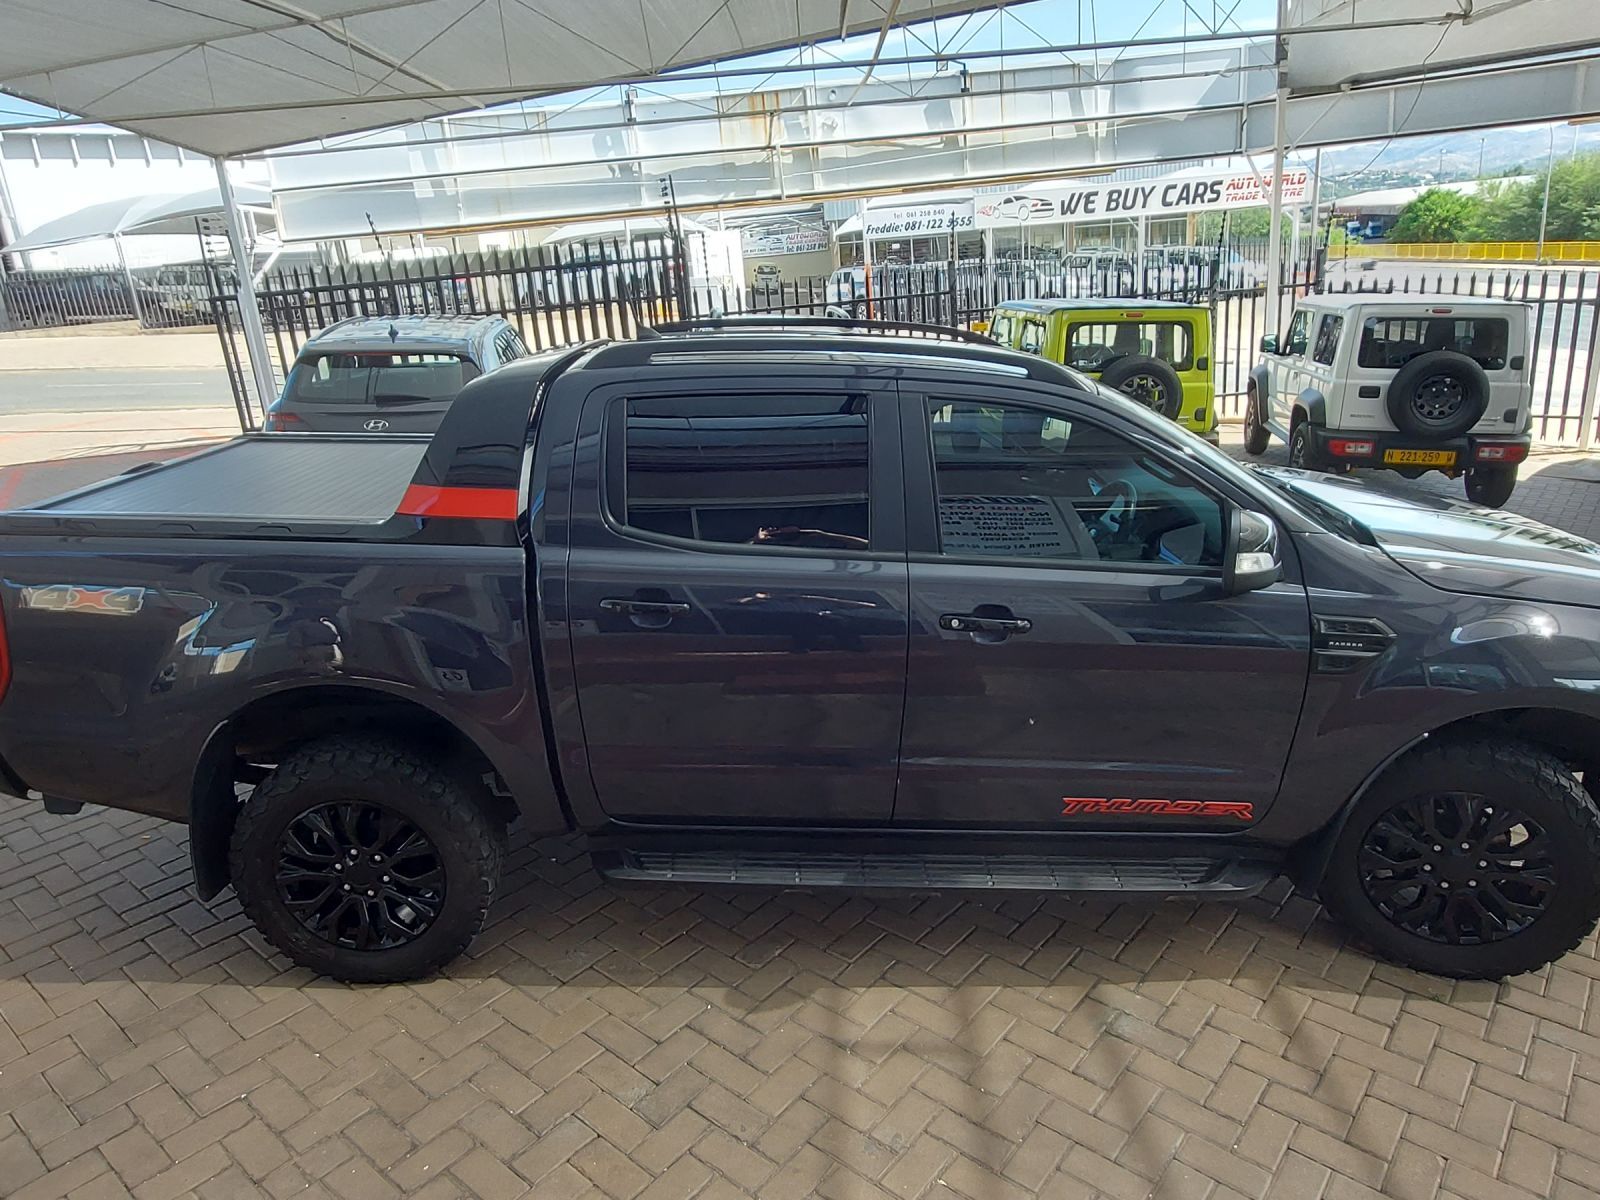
[[233, 76], [582, 231], [174, 213]]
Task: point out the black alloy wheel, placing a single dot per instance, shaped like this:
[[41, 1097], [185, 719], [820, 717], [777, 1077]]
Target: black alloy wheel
[[359, 875], [1147, 390], [1438, 400], [1458, 868]]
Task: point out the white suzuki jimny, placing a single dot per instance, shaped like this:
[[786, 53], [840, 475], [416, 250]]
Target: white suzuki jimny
[[1408, 383]]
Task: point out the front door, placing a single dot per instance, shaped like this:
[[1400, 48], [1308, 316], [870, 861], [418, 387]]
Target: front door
[[1074, 660], [1288, 375], [738, 593]]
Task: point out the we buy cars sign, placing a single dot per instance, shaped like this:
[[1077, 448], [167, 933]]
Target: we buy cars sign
[[1150, 198]]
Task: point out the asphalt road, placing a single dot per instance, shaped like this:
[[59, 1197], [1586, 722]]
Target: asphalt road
[[90, 390]]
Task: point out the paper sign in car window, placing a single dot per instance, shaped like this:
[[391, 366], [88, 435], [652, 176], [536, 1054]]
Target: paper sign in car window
[[1010, 526]]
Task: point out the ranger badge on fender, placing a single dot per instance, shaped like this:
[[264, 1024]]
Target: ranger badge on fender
[[1073, 806]]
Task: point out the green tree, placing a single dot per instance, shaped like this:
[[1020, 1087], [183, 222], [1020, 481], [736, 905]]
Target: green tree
[[1511, 211], [1439, 215], [1244, 224]]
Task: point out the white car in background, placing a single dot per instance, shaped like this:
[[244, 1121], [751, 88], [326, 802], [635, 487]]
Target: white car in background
[[846, 293], [1405, 383]]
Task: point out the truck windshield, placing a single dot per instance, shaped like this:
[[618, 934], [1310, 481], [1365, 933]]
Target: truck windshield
[[382, 378]]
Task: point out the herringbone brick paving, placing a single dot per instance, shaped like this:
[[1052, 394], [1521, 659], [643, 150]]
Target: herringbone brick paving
[[613, 1043]]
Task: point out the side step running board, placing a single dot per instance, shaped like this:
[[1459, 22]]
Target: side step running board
[[1235, 875]]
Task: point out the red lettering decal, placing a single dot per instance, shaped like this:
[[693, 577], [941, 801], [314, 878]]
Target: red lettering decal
[[1073, 806]]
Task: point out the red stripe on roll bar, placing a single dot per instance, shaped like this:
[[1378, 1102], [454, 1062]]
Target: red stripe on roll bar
[[490, 504]]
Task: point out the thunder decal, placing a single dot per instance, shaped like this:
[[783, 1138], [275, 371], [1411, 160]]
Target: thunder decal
[[1074, 806]]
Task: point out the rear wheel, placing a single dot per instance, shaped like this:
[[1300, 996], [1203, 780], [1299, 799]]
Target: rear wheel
[[1491, 486], [1256, 434], [366, 861], [1475, 859]]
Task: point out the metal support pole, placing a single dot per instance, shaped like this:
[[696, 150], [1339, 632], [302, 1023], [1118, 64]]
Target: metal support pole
[[1544, 209], [1275, 194], [1591, 402], [255, 336], [1275, 221], [127, 278]]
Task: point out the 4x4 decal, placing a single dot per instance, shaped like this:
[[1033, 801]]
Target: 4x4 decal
[[1074, 806]]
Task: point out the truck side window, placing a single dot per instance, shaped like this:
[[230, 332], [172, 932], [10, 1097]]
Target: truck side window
[[1032, 337], [770, 471], [1295, 343], [1327, 339], [1020, 483]]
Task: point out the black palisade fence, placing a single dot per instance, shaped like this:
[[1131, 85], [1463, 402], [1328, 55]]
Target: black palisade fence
[[560, 296]]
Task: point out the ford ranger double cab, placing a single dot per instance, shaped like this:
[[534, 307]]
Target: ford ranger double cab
[[806, 604], [1402, 382]]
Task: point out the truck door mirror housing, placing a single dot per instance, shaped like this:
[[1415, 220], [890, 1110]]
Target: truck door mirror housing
[[1269, 343], [1251, 559]]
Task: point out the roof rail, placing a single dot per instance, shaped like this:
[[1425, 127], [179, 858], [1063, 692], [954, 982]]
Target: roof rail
[[653, 347], [781, 322]]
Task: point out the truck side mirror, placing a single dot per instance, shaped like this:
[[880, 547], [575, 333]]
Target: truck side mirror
[[1251, 560], [1269, 343]]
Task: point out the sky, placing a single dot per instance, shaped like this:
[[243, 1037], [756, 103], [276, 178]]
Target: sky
[[1041, 23]]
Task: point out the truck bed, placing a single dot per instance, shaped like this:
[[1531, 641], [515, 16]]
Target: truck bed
[[336, 478]]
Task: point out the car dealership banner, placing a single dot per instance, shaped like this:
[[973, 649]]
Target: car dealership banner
[[920, 220], [1146, 198], [798, 239]]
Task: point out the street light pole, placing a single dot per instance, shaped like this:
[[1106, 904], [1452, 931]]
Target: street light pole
[[1275, 184], [1544, 209]]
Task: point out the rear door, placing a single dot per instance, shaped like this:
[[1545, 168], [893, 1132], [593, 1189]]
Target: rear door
[[1071, 643], [738, 597]]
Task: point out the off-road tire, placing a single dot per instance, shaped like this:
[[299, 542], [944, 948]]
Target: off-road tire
[[1402, 397], [441, 803], [1302, 452], [1256, 433], [1539, 786], [1120, 373], [1491, 486]]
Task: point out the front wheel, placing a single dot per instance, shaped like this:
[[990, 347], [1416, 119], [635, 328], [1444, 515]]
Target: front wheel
[[1491, 486], [1474, 859], [366, 861], [1256, 434]]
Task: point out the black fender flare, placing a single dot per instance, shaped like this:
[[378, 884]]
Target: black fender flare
[[212, 813], [1261, 378], [1308, 859], [214, 807], [1313, 405]]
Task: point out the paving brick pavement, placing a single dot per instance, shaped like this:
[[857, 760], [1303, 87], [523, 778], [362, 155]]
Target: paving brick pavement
[[612, 1043]]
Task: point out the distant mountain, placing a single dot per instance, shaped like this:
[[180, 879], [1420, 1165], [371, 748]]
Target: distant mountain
[[1442, 157]]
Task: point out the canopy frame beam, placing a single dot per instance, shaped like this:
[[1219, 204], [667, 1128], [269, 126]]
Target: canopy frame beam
[[255, 334]]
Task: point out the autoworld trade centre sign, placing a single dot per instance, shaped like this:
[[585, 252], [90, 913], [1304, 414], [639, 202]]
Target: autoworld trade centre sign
[[1142, 198]]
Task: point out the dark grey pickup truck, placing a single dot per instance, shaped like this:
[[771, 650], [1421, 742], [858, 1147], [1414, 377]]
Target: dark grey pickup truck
[[804, 606]]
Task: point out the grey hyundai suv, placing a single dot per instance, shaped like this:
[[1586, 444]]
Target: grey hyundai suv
[[389, 374]]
